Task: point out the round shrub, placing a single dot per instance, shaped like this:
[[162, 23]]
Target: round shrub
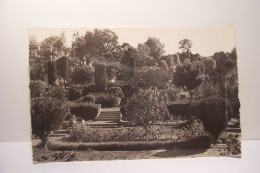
[[86, 99], [212, 112], [57, 92], [87, 111], [107, 100]]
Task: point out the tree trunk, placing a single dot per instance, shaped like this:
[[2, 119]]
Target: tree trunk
[[191, 97], [44, 141], [225, 85]]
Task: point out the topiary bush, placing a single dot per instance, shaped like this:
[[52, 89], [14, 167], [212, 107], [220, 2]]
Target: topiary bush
[[107, 100], [214, 113], [88, 111]]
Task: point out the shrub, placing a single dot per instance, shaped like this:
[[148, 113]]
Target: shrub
[[46, 114], [88, 89], [151, 77], [37, 88], [212, 112], [86, 99], [57, 92], [178, 109], [82, 75], [145, 107], [87, 111], [73, 93], [128, 90], [117, 91], [107, 100]]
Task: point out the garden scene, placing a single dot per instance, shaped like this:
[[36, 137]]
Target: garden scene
[[99, 99]]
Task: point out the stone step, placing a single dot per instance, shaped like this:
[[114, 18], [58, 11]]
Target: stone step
[[58, 135], [106, 119], [110, 117], [60, 131]]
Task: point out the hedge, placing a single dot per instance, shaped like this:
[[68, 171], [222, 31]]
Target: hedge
[[107, 100], [87, 111]]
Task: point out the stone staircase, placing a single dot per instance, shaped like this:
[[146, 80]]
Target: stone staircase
[[108, 118]]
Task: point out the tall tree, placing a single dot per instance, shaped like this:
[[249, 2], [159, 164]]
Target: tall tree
[[54, 46], [100, 75]]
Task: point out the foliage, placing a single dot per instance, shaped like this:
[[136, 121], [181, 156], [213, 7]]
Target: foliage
[[143, 52], [82, 74], [99, 43], [214, 113], [87, 99], [37, 88], [62, 65], [88, 89], [100, 76], [233, 144], [185, 46], [145, 107], [178, 109], [128, 90], [107, 100], [210, 65], [83, 133], [57, 92], [151, 77], [73, 93], [52, 72], [53, 46], [156, 48], [88, 111], [188, 77], [47, 114], [117, 91]]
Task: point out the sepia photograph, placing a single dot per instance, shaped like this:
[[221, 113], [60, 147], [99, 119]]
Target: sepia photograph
[[131, 93]]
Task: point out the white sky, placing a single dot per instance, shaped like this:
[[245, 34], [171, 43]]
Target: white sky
[[206, 40]]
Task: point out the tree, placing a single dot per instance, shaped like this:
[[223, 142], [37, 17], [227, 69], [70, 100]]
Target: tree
[[54, 46], [210, 65], [62, 65], [156, 48], [47, 114], [143, 52], [185, 46], [188, 77], [212, 112], [100, 75], [151, 77], [52, 72], [132, 66]]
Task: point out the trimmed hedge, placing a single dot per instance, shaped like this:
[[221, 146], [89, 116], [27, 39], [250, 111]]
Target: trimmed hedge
[[88, 89], [107, 100], [87, 111], [86, 99], [177, 109]]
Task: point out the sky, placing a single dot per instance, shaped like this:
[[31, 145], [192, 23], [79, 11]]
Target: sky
[[206, 40]]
